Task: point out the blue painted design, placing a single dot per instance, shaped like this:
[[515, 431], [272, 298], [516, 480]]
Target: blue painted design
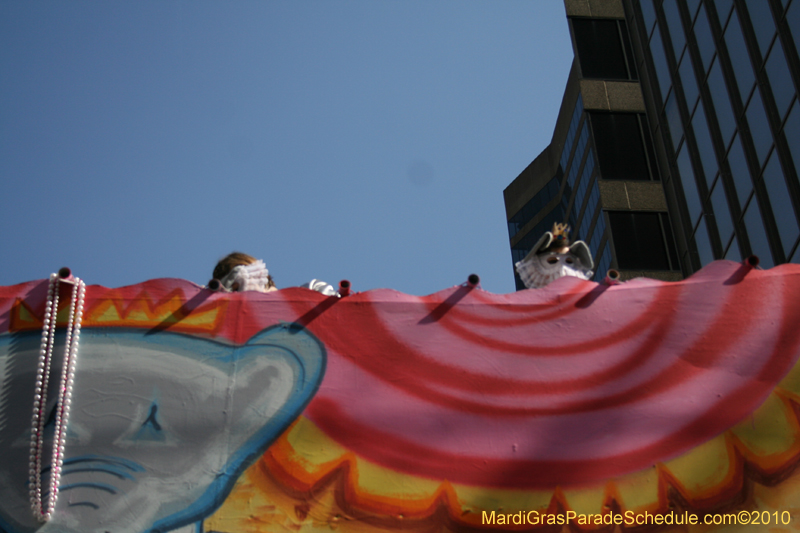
[[97, 486], [162, 424], [115, 473], [85, 504], [117, 461], [151, 429]]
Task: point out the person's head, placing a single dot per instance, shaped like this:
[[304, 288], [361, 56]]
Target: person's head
[[232, 274]]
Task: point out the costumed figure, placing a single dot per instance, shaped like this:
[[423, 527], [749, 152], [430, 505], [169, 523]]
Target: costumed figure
[[238, 272], [553, 257]]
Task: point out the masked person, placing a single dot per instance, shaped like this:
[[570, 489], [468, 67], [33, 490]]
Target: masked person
[[241, 272], [553, 257]]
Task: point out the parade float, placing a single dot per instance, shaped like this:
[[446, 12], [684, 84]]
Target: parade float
[[166, 406]]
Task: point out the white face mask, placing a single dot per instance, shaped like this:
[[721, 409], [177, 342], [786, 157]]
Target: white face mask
[[542, 269], [252, 277]]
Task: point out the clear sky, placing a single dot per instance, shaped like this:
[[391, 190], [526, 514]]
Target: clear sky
[[362, 140]]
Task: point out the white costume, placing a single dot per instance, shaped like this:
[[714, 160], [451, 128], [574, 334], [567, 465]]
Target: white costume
[[255, 277], [540, 269]]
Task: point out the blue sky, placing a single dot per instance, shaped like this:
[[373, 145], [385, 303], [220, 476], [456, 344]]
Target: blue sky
[[361, 140]]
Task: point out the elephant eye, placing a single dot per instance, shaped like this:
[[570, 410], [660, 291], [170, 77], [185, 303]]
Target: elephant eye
[[552, 260]]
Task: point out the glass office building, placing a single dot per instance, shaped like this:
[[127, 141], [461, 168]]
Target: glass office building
[[599, 174], [720, 82], [677, 138]]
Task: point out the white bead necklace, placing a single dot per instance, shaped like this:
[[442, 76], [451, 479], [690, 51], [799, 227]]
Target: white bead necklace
[[41, 512]]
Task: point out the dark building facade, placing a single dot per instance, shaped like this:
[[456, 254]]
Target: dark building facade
[[720, 82], [599, 173], [675, 140]]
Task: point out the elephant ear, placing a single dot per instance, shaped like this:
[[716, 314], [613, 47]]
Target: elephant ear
[[543, 242], [580, 250], [278, 372]]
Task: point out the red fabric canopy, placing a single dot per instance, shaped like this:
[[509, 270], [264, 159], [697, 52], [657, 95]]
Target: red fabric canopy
[[566, 385]]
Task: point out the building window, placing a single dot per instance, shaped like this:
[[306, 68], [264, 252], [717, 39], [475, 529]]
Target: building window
[[603, 264], [573, 130], [722, 213], [604, 49], [792, 131], [620, 142], [763, 25], [648, 15], [756, 234], [705, 41], [734, 251], [793, 20], [660, 62], [780, 79], [583, 140], [759, 127], [722, 103], [781, 201], [583, 186], [642, 240], [533, 206], [690, 90], [739, 171], [674, 119], [704, 249], [677, 36], [689, 186], [734, 40], [704, 145], [724, 8]]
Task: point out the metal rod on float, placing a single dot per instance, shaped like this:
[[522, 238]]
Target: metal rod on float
[[344, 288], [612, 277]]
